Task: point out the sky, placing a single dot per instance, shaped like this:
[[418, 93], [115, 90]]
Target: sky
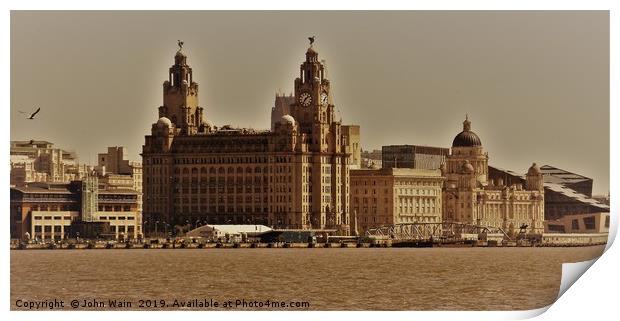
[[535, 84]]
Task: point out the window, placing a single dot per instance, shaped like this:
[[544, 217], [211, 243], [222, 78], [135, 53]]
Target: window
[[607, 221], [589, 222], [575, 225]]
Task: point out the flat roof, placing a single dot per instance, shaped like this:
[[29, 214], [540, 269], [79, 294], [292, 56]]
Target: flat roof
[[399, 172]]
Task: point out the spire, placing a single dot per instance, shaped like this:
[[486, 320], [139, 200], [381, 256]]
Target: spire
[[180, 72], [312, 68], [466, 124]]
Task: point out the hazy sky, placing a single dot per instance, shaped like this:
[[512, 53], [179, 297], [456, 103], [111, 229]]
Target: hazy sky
[[535, 84]]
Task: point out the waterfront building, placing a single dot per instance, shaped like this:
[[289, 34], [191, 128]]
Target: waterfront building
[[295, 175], [576, 182], [395, 195], [351, 133], [117, 172], [561, 201], [47, 211], [413, 156], [470, 197], [579, 223], [39, 161], [560, 198]]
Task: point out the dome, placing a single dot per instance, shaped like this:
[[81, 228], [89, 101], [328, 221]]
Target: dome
[[180, 54], [467, 168], [534, 170], [164, 122], [466, 138], [311, 51], [288, 119]]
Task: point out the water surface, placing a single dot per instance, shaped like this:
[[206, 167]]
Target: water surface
[[328, 279]]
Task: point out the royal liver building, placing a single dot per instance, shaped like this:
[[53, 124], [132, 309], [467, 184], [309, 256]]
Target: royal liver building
[[293, 176]]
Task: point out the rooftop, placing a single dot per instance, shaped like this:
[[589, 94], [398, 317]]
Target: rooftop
[[417, 172], [569, 192], [559, 176]]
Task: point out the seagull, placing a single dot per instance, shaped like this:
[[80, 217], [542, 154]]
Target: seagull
[[31, 115], [311, 40]]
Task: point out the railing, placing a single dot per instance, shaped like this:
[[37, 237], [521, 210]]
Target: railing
[[433, 231]]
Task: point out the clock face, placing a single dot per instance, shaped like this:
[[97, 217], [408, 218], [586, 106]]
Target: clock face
[[305, 99], [324, 99]]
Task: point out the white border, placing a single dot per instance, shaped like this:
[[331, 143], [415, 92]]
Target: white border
[[591, 297]]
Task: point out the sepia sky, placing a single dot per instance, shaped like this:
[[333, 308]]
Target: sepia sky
[[535, 84]]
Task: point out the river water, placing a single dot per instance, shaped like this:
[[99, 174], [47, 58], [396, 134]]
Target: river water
[[327, 279]]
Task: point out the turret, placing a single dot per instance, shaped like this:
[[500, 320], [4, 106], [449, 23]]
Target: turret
[[534, 179], [181, 97]]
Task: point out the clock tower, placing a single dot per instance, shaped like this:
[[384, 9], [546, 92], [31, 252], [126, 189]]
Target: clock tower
[[324, 147], [313, 107]]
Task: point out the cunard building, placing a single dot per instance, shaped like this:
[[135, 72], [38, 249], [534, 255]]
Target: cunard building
[[294, 175]]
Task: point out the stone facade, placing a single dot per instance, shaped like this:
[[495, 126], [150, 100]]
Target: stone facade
[[560, 199], [351, 134], [46, 211], [39, 161], [395, 195], [117, 172], [470, 197], [293, 176]]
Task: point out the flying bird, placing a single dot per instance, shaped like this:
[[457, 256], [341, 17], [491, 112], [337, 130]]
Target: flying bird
[[311, 40], [33, 114]]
